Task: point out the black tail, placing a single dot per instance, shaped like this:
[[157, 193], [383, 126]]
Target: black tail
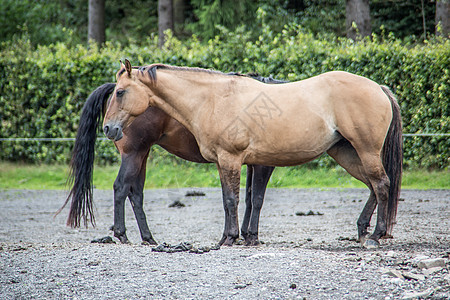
[[393, 159], [82, 162]]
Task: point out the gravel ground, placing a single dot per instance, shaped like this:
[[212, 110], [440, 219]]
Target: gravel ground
[[303, 256]]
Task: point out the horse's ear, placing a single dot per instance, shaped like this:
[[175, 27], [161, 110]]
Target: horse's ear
[[128, 66]]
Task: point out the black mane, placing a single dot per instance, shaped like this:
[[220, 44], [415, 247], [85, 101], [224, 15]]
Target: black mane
[[151, 72]]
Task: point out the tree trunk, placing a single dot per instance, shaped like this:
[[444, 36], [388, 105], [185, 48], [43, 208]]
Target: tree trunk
[[179, 7], [165, 19], [357, 19], [96, 30], [443, 18]]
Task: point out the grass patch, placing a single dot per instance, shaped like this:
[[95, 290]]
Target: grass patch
[[176, 174]]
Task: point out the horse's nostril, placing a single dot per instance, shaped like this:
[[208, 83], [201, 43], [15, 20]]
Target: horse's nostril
[[113, 131]]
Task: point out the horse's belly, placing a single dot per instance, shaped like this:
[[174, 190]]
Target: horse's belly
[[290, 152]]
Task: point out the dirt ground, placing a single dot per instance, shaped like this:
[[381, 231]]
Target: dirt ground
[[303, 256]]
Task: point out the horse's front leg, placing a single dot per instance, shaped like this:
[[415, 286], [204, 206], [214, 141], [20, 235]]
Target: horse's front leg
[[121, 190], [230, 175], [130, 183], [136, 197], [261, 176]]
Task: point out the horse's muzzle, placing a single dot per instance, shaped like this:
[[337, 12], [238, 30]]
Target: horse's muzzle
[[113, 132]]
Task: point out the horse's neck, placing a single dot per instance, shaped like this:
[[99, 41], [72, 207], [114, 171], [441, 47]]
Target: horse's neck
[[184, 95]]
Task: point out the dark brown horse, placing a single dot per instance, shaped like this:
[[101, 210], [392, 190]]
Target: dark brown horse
[[152, 127]]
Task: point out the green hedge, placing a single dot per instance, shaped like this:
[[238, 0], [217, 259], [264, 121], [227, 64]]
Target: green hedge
[[43, 90]]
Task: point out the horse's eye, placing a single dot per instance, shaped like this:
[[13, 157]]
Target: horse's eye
[[120, 93]]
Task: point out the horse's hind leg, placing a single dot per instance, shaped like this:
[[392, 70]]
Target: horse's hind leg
[[248, 202], [261, 176], [346, 156], [380, 184], [366, 215]]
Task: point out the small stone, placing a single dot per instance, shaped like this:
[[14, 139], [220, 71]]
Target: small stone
[[419, 258], [446, 254], [93, 263], [431, 263], [241, 285], [161, 247], [293, 286], [412, 276], [196, 250], [447, 278], [396, 280], [309, 213], [391, 254], [204, 249], [415, 295], [194, 194], [260, 255], [353, 258], [215, 247], [393, 273], [104, 240], [177, 203], [430, 271], [19, 248]]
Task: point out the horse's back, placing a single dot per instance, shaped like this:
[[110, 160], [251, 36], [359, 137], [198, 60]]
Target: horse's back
[[314, 113]]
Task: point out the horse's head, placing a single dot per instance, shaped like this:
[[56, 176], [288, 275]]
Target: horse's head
[[128, 101]]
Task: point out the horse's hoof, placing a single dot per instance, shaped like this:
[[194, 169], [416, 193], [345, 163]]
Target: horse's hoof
[[252, 240], [149, 243], [124, 240], [362, 239], [229, 241], [252, 243], [371, 244]]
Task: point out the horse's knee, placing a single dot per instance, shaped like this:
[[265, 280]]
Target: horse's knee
[[257, 203], [362, 222], [120, 187], [231, 203], [381, 188]]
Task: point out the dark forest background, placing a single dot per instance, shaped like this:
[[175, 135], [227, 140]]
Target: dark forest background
[[50, 21]]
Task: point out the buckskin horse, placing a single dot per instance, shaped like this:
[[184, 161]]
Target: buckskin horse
[[152, 127], [237, 120]]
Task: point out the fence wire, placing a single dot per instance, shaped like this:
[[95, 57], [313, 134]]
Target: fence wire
[[105, 139]]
